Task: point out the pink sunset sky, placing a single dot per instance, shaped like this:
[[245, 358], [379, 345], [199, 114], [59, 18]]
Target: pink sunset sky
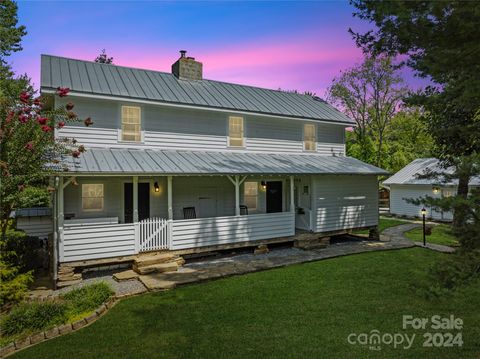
[[288, 45]]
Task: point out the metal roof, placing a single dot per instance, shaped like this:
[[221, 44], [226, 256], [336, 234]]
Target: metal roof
[[408, 174], [33, 212], [125, 82], [129, 161]]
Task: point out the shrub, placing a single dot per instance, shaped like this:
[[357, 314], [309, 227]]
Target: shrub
[[33, 316], [13, 286], [448, 275], [87, 298], [33, 197], [20, 250]]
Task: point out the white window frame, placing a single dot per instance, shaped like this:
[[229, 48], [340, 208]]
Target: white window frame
[[229, 144], [102, 197], [305, 125], [122, 132], [255, 196]]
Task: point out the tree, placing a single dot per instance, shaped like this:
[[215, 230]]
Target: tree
[[406, 138], [103, 58], [10, 33], [440, 42], [370, 94]]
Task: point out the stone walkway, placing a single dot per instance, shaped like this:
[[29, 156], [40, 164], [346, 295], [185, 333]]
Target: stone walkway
[[396, 234], [228, 265], [245, 263]]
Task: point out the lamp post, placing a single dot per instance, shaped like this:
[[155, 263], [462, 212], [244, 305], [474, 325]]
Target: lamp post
[[424, 212]]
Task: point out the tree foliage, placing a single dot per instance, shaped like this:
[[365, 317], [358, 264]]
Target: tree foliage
[[103, 58], [440, 41], [10, 32], [370, 93]]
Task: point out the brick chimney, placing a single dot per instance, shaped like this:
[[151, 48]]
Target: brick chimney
[[186, 68]]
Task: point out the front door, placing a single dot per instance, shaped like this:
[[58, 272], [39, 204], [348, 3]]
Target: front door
[[143, 201], [207, 202], [274, 196]]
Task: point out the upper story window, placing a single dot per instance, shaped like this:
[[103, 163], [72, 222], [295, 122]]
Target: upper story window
[[92, 197], [309, 137], [235, 131], [251, 195], [131, 124]]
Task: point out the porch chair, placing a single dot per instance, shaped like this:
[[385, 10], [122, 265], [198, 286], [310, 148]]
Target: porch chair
[[189, 213], [243, 210]]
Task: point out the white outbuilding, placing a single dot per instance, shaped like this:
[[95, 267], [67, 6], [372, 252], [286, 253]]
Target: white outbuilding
[[405, 184]]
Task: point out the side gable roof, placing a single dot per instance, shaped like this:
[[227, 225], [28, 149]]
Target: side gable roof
[[408, 174], [124, 82]]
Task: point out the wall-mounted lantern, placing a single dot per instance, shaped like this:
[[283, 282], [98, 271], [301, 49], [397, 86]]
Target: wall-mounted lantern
[[436, 190], [156, 187], [264, 185]]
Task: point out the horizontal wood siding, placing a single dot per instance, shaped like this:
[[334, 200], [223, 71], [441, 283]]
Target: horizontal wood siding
[[344, 202], [399, 206], [223, 230], [97, 241], [180, 141], [35, 226], [175, 128], [91, 136]]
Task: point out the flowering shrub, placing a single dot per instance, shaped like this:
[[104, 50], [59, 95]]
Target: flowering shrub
[[29, 150]]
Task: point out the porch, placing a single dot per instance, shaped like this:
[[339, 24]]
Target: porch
[[175, 213], [120, 202]]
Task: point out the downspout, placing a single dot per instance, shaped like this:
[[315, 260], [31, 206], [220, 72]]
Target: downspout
[[55, 233]]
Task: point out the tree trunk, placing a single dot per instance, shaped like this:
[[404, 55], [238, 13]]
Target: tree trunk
[[459, 213]]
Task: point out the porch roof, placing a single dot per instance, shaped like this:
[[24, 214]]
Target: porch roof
[[155, 162]]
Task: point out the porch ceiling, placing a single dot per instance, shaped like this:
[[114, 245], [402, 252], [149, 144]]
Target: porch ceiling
[[126, 161]]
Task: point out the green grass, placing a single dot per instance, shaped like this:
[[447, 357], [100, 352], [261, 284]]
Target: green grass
[[441, 234], [383, 224], [33, 317], [300, 311]]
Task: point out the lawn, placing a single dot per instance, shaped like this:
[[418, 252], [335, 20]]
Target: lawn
[[441, 234], [300, 311], [383, 224]]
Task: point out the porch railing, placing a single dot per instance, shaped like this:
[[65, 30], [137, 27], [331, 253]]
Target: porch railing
[[201, 232], [153, 234]]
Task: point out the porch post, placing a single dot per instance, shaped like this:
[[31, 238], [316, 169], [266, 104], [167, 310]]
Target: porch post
[[292, 195], [135, 199], [237, 195], [60, 219], [170, 197]]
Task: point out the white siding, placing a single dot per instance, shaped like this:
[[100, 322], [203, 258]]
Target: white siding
[[224, 230], [399, 206], [35, 226], [173, 128], [97, 241], [344, 202]]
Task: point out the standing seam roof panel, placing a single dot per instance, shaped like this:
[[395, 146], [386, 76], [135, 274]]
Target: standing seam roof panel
[[91, 77]]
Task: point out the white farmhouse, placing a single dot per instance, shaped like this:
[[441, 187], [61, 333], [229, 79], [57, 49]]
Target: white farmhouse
[[180, 163]]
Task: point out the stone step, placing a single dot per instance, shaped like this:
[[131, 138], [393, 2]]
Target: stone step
[[157, 267], [156, 281], [68, 277], [61, 284], [154, 258], [125, 275]]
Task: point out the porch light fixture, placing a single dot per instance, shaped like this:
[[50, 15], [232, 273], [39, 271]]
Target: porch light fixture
[[156, 187], [436, 190], [264, 185]]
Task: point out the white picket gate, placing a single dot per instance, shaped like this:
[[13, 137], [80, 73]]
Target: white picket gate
[[154, 234]]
